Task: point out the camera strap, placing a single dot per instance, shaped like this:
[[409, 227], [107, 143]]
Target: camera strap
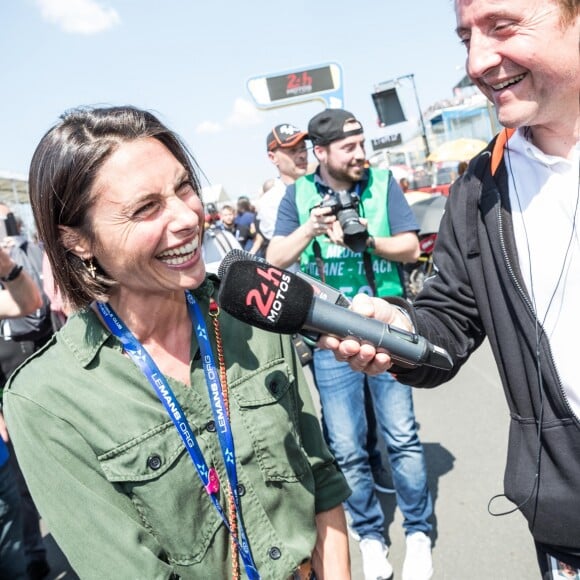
[[369, 272], [367, 263], [319, 261]]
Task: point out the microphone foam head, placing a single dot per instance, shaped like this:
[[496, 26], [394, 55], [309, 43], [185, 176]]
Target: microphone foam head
[[235, 255], [265, 297]]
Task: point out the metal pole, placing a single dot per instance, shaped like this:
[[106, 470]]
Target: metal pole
[[423, 130]]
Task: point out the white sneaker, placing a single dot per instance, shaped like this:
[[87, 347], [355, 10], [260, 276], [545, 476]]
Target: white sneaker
[[374, 559], [418, 563]]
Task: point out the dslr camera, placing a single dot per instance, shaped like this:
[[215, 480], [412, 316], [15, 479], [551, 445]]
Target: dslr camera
[[344, 206]]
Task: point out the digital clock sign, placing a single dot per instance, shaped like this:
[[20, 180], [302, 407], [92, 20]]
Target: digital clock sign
[[318, 82]]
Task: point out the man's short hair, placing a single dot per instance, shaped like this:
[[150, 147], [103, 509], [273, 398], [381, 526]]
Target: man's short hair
[[332, 125]]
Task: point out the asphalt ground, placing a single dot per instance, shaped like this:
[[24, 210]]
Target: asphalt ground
[[463, 427]]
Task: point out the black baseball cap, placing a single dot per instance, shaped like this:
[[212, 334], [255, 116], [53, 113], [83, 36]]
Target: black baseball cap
[[284, 136], [332, 125]]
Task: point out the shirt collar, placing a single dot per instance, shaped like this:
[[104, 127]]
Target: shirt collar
[[84, 334], [521, 143]]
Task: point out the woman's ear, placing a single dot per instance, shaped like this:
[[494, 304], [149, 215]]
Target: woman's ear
[[75, 242]]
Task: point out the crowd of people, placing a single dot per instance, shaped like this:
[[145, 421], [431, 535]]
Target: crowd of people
[[160, 437]]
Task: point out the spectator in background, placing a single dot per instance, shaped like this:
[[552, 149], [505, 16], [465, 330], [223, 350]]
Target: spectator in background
[[212, 215], [59, 310], [228, 218], [19, 296], [461, 168], [404, 183], [286, 148], [20, 337], [245, 222]]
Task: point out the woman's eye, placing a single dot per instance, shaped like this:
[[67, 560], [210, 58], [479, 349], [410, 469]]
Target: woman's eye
[[186, 187], [145, 210]]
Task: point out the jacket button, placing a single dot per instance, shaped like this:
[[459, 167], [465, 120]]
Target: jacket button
[[154, 462], [241, 489], [210, 426], [274, 553]]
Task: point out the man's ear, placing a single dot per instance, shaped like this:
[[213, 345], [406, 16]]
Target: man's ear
[[75, 242]]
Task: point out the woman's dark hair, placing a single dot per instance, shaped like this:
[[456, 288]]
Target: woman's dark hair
[[62, 174]]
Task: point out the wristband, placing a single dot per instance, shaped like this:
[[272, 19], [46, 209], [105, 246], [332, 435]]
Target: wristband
[[12, 275]]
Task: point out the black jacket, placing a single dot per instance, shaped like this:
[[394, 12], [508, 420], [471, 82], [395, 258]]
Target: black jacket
[[479, 291]]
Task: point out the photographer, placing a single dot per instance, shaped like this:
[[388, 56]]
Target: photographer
[[351, 227]]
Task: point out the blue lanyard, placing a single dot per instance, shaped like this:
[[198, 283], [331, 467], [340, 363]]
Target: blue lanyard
[[149, 368]]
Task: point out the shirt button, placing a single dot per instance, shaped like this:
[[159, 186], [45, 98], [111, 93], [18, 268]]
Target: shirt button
[[274, 553], [154, 462], [210, 427], [241, 489]]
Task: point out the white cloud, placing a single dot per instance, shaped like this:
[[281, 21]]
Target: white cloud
[[244, 114], [79, 16], [208, 127]]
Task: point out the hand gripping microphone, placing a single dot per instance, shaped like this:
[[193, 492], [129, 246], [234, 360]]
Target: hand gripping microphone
[[279, 301]]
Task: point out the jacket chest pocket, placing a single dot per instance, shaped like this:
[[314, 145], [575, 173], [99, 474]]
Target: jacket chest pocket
[[156, 472], [268, 406]]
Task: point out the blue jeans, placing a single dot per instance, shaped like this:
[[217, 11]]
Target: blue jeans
[[341, 393], [12, 560]]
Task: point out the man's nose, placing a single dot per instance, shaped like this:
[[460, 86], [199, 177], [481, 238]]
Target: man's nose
[[482, 55]]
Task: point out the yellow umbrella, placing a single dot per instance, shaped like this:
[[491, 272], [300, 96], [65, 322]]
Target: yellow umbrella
[[457, 150]]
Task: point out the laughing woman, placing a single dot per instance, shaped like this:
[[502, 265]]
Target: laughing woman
[[138, 472]]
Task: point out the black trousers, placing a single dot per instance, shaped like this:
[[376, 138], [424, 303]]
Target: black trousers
[[12, 354]]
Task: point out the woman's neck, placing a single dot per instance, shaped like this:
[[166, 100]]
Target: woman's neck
[[162, 325], [152, 318]]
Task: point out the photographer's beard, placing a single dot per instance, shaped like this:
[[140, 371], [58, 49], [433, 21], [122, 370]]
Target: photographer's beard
[[347, 175]]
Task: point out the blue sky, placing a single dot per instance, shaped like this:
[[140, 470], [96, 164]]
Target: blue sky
[[189, 62]]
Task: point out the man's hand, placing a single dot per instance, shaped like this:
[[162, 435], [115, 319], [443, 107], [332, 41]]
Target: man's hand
[[6, 262], [321, 221], [365, 357]]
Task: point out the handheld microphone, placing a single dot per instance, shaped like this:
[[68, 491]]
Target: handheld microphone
[[279, 301]]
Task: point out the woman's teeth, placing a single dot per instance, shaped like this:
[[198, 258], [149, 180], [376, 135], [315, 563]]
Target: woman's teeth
[[177, 256]]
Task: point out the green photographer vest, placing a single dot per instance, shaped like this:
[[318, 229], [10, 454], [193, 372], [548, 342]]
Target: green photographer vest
[[343, 268]]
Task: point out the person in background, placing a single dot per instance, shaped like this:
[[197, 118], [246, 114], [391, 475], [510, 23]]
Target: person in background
[[59, 310], [309, 228], [461, 168], [140, 426], [20, 337], [245, 222], [212, 216], [508, 261], [286, 148], [228, 216], [19, 296]]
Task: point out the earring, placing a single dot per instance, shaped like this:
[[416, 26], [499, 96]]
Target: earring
[[90, 266]]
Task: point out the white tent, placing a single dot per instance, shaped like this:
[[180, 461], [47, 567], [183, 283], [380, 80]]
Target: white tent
[[214, 194]]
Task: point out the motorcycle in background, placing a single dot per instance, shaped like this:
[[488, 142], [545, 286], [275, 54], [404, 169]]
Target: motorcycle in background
[[428, 209]]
